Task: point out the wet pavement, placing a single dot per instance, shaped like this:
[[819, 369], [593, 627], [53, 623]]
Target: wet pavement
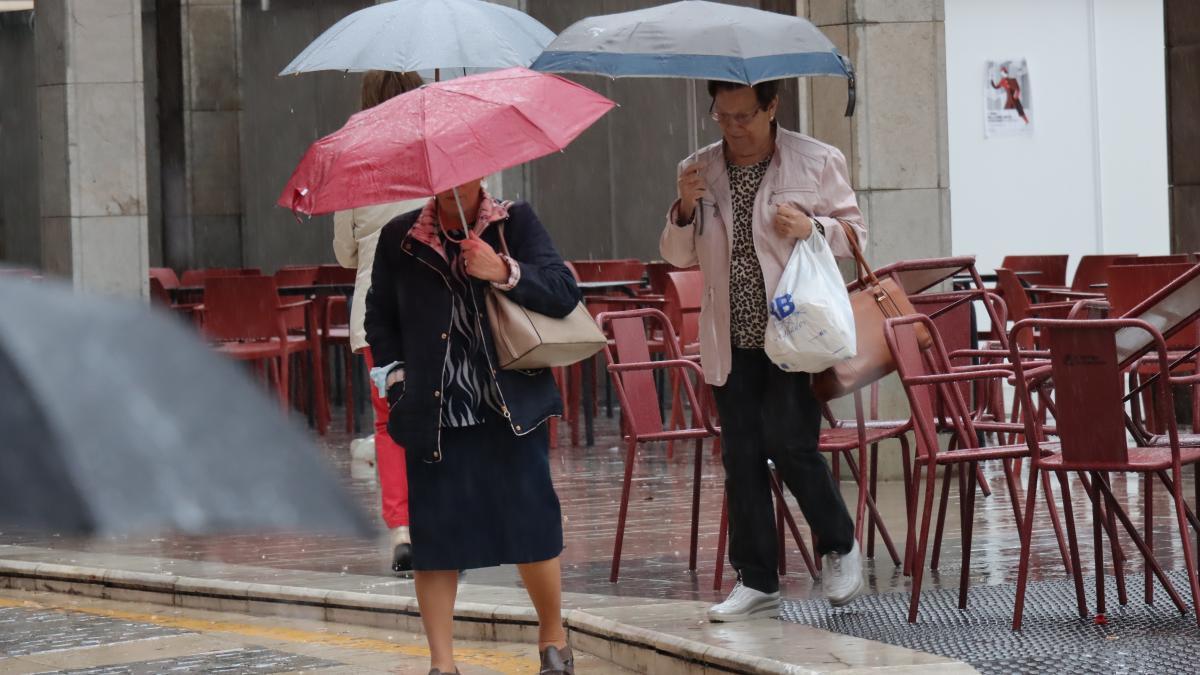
[[655, 558], [53, 633]]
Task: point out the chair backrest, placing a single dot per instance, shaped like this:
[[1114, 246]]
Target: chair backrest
[[1174, 258], [336, 274], [637, 390], [1130, 285], [1052, 269], [166, 277], [656, 275], [1089, 406], [1093, 269], [929, 401], [196, 277], [625, 269], [1171, 306], [242, 308], [158, 292], [684, 294], [953, 324], [296, 276]]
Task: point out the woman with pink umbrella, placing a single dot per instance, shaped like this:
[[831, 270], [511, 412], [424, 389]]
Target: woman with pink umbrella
[[480, 492]]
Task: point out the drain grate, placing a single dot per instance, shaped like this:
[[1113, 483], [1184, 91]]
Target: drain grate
[[1138, 638]]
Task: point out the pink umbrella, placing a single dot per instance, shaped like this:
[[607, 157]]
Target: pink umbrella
[[441, 136]]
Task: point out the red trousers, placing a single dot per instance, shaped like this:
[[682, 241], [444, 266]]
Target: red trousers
[[389, 458]]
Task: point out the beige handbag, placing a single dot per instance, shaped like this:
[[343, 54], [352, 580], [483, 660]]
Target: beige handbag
[[526, 340]]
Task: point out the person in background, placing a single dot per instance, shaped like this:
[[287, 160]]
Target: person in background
[[743, 204], [355, 235], [476, 436]]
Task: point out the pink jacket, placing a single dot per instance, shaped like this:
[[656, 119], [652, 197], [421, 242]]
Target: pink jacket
[[804, 172]]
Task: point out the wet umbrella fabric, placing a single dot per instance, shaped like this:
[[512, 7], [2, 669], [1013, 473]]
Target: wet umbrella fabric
[[426, 35], [115, 418], [694, 39], [441, 136]]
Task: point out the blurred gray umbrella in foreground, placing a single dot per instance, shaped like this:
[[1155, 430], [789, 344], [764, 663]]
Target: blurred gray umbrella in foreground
[[115, 418], [425, 35]]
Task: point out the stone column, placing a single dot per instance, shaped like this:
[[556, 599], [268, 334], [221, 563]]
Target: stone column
[[212, 109], [92, 138], [1182, 19], [896, 142]]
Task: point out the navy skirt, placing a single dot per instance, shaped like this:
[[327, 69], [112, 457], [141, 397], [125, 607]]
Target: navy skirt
[[490, 501]]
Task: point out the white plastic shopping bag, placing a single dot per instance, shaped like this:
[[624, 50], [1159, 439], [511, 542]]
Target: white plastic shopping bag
[[811, 326]]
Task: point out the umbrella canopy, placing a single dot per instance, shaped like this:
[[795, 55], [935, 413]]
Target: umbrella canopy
[[696, 39], [440, 136], [426, 35], [117, 419]]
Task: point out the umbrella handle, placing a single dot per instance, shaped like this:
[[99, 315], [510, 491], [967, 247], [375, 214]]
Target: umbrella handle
[[850, 95]]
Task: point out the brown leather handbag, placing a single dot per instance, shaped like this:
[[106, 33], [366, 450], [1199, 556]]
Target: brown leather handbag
[[874, 302], [526, 340]]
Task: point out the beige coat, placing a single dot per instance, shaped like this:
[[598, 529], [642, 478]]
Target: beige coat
[[355, 234], [804, 172]]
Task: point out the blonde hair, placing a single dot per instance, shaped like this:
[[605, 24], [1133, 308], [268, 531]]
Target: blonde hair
[[381, 85]]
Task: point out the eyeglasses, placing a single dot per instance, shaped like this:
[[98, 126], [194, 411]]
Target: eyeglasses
[[740, 119]]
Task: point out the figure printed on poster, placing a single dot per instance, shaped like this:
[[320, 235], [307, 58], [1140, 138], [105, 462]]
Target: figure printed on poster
[[1008, 108]]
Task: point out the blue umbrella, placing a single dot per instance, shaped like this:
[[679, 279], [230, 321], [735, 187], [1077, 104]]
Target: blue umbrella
[[695, 39], [424, 35]]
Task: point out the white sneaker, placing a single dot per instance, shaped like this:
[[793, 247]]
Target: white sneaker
[[842, 579], [363, 449], [745, 603]]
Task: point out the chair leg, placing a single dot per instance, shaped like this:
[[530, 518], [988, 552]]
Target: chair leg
[[941, 518], [283, 383], [722, 533], [1098, 546], [1076, 570], [630, 453], [910, 506], [873, 510], [1118, 558], [780, 539], [966, 495], [1025, 532], [349, 385], [1148, 531], [910, 536], [809, 562], [1189, 555], [1105, 492], [919, 561], [676, 411], [1052, 510], [874, 492], [696, 503]]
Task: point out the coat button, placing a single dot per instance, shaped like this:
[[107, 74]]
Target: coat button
[[518, 427], [444, 336], [437, 394]]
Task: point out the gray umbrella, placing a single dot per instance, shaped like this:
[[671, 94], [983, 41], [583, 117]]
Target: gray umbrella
[[115, 418], [696, 39], [425, 35]]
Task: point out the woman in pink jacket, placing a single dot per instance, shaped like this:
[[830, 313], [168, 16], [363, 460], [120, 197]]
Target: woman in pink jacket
[[743, 204]]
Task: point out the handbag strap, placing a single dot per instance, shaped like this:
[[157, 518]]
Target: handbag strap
[[862, 269]]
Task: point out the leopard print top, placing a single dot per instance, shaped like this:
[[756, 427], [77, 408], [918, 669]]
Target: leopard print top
[[747, 292]]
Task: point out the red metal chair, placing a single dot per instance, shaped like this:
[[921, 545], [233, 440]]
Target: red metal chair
[[1093, 269], [922, 373], [632, 374], [196, 277], [296, 275], [1051, 269], [244, 316], [1086, 361], [1172, 259]]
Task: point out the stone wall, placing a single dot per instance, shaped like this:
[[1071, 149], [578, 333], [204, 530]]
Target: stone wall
[[20, 235]]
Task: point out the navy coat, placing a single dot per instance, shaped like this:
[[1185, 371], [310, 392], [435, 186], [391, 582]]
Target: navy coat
[[408, 320]]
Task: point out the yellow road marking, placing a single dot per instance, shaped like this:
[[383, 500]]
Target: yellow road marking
[[495, 660]]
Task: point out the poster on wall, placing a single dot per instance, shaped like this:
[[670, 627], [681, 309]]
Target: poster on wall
[[1007, 103]]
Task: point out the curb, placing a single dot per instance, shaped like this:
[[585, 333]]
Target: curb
[[628, 646]]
